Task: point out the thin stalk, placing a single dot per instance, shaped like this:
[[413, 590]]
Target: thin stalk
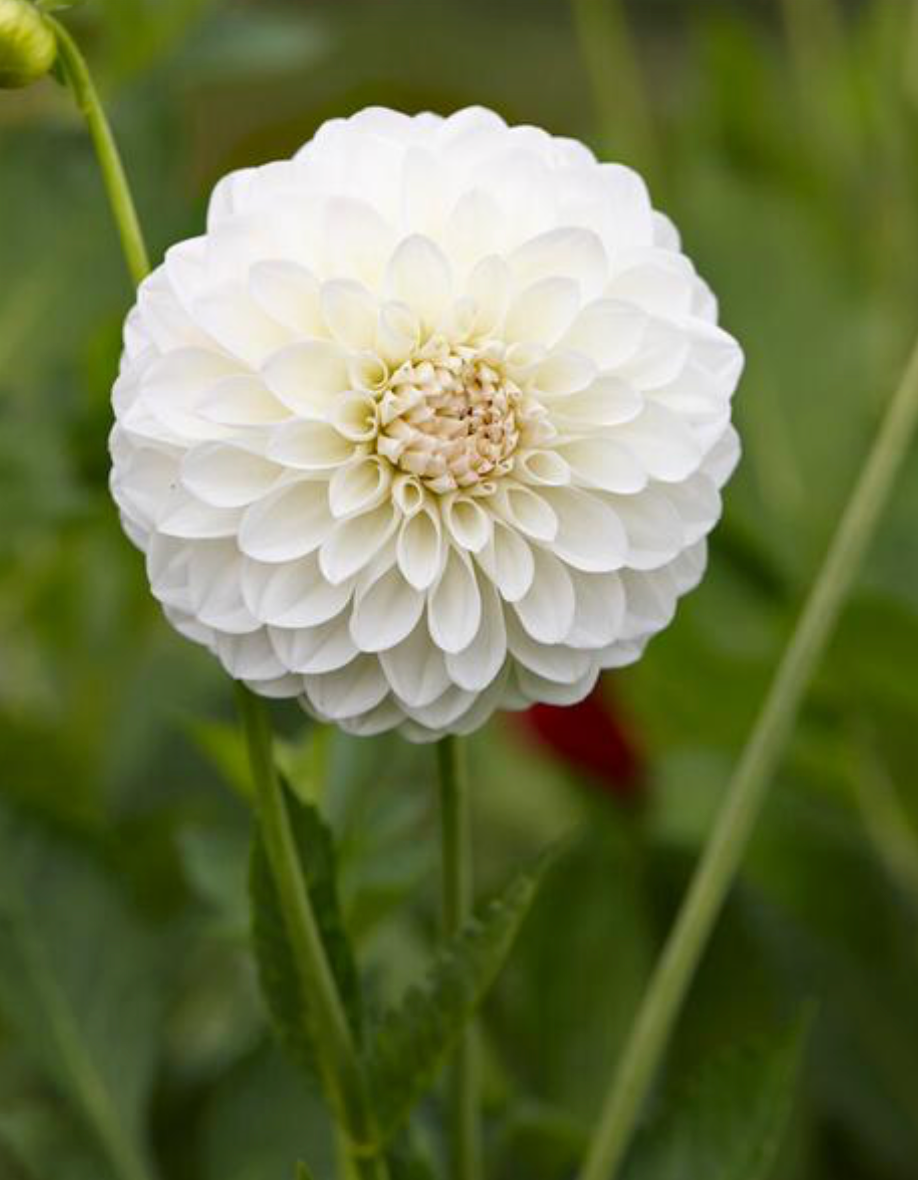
[[616, 79], [339, 1062], [746, 791], [79, 80], [886, 820], [456, 845]]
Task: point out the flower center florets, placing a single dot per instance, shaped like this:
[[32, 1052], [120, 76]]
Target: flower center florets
[[451, 416]]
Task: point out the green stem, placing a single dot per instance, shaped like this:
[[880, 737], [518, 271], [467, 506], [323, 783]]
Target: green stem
[[339, 1062], [616, 80], [78, 78], [456, 843], [746, 790]]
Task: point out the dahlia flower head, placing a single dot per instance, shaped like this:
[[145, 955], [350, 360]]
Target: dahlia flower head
[[432, 420]]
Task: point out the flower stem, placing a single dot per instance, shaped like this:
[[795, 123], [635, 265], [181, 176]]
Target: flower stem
[[616, 80], [746, 791], [78, 78], [339, 1062], [456, 844]]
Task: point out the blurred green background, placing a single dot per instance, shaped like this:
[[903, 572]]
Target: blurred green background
[[783, 139]]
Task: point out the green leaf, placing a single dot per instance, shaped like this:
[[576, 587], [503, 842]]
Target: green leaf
[[730, 1121], [303, 1173], [78, 985], [413, 1040], [276, 966]]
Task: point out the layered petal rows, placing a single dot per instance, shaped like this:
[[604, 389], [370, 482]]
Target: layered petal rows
[[432, 420]]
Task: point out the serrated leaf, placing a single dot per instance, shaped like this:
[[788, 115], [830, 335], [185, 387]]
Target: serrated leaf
[[729, 1122], [78, 984], [280, 982], [413, 1040]]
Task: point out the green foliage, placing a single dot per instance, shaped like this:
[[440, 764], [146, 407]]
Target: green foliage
[[412, 1040], [303, 1173], [78, 984], [729, 1122], [278, 973]]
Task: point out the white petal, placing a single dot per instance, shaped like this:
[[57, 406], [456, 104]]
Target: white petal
[[227, 476], [660, 359], [238, 324], [555, 662], [241, 399], [314, 650], [419, 275], [289, 523], [248, 657], [385, 612], [359, 486], [354, 542], [279, 688], [651, 599], [214, 588], [467, 522], [563, 373], [294, 594], [608, 401], [603, 463], [420, 549], [308, 376], [590, 535], [474, 229], [526, 510], [542, 467], [398, 333], [355, 415], [488, 287], [720, 463], [508, 562], [454, 607], [357, 240], [660, 282], [662, 443], [546, 610], [549, 692], [184, 515], [477, 665], [600, 609], [350, 313], [354, 689], [609, 333], [570, 252], [654, 527], [416, 669], [289, 294], [388, 714], [442, 712], [542, 312], [309, 446]]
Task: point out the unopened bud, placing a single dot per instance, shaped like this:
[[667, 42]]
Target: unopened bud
[[27, 44]]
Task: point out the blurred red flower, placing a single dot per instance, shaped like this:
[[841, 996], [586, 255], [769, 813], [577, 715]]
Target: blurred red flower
[[590, 738]]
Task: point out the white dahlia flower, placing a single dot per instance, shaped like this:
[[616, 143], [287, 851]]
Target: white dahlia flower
[[431, 421]]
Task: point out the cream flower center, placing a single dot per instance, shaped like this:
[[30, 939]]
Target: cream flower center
[[451, 416]]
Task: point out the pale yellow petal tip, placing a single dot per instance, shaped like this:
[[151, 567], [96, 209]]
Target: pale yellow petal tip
[[28, 46]]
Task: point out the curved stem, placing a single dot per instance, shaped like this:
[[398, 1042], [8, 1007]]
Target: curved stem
[[616, 80], [456, 844], [746, 791], [339, 1062], [78, 78]]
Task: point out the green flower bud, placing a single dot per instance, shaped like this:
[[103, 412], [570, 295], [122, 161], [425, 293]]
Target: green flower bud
[[27, 44]]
